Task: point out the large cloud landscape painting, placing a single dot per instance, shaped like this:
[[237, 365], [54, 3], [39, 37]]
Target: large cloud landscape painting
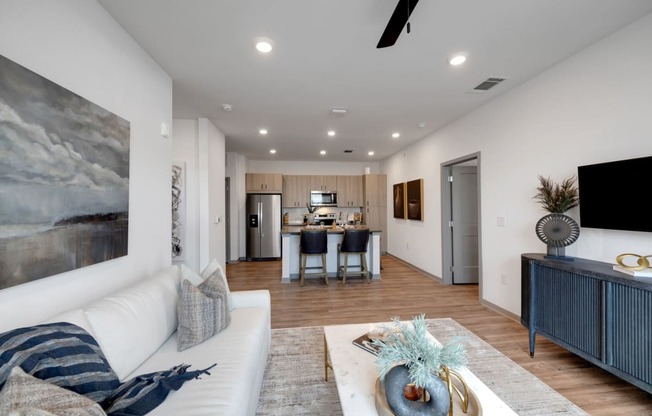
[[64, 179]]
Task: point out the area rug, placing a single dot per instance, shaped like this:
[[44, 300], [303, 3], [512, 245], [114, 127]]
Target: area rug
[[294, 378]]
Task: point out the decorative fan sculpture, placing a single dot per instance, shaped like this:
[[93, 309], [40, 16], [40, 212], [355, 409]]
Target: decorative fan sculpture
[[557, 231]]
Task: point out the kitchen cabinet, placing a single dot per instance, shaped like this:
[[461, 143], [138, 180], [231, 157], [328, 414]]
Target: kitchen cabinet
[[375, 205], [325, 183], [264, 183], [349, 191], [296, 191]]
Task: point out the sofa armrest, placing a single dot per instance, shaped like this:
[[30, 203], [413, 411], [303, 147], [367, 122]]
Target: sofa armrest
[[251, 299]]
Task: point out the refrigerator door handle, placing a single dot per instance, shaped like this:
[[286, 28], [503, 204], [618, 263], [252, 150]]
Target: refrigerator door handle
[[260, 218]]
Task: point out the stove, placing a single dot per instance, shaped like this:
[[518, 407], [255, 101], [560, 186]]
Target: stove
[[325, 219]]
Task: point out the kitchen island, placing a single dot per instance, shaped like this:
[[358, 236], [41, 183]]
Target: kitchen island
[[290, 246]]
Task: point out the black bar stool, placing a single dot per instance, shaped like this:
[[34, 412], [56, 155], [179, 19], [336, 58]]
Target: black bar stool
[[313, 243], [354, 241]]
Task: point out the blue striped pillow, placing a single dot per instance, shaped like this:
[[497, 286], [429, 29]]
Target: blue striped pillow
[[143, 393], [62, 354]]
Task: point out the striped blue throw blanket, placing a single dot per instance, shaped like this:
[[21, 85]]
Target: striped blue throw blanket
[[67, 356], [62, 354]]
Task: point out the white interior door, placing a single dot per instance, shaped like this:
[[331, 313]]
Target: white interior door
[[464, 210]]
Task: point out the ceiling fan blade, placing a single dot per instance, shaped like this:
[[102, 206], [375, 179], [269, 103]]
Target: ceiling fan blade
[[396, 23]]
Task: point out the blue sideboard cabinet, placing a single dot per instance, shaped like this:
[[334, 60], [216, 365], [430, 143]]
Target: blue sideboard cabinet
[[602, 315]]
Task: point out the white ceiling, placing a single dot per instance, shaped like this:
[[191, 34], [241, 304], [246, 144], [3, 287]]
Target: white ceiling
[[325, 56]]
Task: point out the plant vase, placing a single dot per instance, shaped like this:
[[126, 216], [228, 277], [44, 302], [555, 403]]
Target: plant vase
[[439, 397]]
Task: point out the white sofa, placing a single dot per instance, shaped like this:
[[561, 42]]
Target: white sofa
[[136, 329]]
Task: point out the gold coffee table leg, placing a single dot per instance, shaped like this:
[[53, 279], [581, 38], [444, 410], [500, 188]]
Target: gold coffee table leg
[[327, 365]]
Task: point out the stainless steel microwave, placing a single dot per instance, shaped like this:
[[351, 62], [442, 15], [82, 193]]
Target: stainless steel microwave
[[323, 199]]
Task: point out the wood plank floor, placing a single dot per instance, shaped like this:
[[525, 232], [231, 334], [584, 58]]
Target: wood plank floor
[[405, 292]]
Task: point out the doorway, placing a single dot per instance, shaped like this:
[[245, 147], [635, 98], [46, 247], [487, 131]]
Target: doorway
[[460, 199]]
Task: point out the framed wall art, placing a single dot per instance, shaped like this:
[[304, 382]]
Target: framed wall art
[[415, 200], [398, 196], [64, 179]]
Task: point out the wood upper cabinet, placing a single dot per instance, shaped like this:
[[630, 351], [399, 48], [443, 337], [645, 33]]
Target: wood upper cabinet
[[374, 214], [349, 191], [375, 190], [325, 183], [264, 182], [296, 191]]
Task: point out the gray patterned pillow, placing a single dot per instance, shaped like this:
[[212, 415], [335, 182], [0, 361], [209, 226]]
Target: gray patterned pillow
[[26, 395], [202, 311]]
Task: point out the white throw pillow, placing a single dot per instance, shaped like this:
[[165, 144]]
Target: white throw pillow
[[210, 269], [132, 324], [190, 275]]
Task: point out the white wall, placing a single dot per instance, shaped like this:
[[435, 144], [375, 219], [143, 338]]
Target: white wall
[[236, 166], [215, 223], [76, 44], [594, 107], [184, 149], [200, 145]]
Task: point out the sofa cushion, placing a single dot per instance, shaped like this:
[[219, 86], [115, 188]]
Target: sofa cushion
[[60, 353], [131, 324], [26, 395], [143, 393], [234, 385], [75, 316], [202, 311]]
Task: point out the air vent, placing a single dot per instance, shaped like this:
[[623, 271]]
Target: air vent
[[348, 151], [487, 84]]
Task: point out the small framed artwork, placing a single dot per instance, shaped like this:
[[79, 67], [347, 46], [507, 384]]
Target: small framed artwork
[[399, 200], [415, 200]]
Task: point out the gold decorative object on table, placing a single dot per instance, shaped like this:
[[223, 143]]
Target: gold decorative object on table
[[642, 262]]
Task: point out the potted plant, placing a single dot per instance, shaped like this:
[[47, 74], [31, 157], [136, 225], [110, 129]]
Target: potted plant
[[556, 229], [409, 355]]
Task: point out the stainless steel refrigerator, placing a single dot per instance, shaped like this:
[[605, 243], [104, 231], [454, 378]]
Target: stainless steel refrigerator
[[263, 226]]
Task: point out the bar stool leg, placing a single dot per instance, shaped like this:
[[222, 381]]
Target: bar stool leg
[[346, 267], [363, 267], [338, 260], [323, 266], [302, 272]]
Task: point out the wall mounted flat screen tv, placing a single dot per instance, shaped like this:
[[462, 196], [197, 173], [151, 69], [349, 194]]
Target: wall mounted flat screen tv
[[613, 195]]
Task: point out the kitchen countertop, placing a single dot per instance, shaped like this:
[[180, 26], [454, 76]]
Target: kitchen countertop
[[296, 229]]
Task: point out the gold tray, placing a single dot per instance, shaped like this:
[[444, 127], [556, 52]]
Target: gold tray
[[474, 409]]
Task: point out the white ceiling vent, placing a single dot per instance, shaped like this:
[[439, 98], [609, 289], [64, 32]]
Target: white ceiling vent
[[487, 84]]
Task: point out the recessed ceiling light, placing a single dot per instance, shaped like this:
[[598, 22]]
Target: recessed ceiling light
[[422, 124], [331, 133], [264, 45], [396, 135], [262, 131], [227, 107], [322, 152], [458, 59], [272, 151], [371, 153]]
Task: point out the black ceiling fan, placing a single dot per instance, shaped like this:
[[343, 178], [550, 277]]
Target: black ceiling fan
[[396, 23]]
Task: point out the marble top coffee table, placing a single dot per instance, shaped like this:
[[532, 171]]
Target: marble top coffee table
[[355, 373]]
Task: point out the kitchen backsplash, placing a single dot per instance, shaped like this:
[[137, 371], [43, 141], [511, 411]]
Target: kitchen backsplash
[[296, 214]]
